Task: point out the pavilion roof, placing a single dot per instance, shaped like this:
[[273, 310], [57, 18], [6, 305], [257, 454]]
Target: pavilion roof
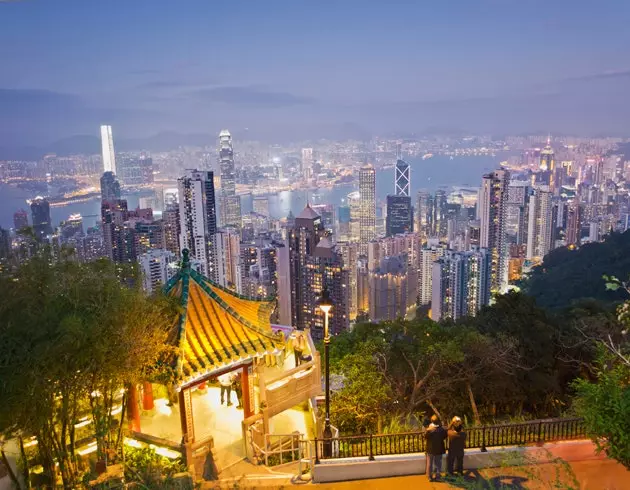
[[216, 327]]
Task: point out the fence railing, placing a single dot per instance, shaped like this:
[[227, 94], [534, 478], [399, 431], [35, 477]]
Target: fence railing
[[371, 445]]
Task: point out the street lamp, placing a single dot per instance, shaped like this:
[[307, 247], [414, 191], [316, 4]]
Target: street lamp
[[325, 305]]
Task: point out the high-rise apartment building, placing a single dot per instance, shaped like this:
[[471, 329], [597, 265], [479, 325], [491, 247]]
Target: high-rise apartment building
[[230, 202], [388, 289], [350, 256], [574, 223], [540, 224], [20, 220], [172, 228], [157, 267], [40, 216], [107, 149], [428, 255], [461, 284], [198, 220], [402, 182], [367, 206], [422, 213], [228, 245], [492, 214]]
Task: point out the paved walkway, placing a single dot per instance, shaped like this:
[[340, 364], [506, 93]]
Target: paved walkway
[[590, 475]]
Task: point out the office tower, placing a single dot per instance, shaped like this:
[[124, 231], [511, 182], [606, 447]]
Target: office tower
[[228, 245], [540, 226], [198, 219], [548, 167], [261, 206], [20, 220], [428, 255], [157, 267], [388, 289], [517, 209], [110, 187], [307, 163], [172, 228], [461, 284], [422, 213], [399, 215], [40, 216], [343, 224], [107, 150], [574, 224], [402, 184], [315, 266], [437, 220], [230, 202], [134, 170], [367, 206], [492, 213]]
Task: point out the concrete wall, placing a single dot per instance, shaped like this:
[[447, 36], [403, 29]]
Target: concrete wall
[[415, 464]]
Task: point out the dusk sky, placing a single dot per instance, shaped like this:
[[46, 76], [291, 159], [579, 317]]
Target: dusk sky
[[300, 69]]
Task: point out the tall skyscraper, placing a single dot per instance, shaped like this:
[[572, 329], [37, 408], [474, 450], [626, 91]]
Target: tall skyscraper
[[107, 149], [388, 289], [172, 228], [40, 216], [399, 215], [20, 220], [461, 284], [422, 213], [540, 225], [230, 202], [428, 255], [228, 244], [492, 214], [198, 220], [307, 163], [110, 187], [548, 166], [402, 184], [574, 223], [367, 212]]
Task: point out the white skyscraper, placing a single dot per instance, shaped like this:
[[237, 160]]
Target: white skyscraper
[[539, 229], [157, 268], [230, 201], [307, 163], [198, 220], [107, 145]]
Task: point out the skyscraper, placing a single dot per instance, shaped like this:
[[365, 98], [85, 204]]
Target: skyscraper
[[157, 268], [110, 187], [40, 215], [461, 284], [402, 184], [399, 215], [20, 220], [198, 219], [492, 215], [548, 166], [307, 163], [540, 226], [107, 149], [422, 213], [172, 228], [230, 202], [367, 210], [388, 289], [574, 223]]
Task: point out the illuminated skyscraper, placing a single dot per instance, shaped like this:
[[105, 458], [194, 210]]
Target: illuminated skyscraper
[[110, 187], [367, 216], [230, 202], [540, 226], [574, 223], [198, 220], [402, 179], [492, 214], [307, 163], [399, 215], [422, 212], [107, 149], [548, 166], [40, 214]]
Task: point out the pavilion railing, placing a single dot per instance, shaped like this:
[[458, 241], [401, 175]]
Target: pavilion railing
[[516, 434]]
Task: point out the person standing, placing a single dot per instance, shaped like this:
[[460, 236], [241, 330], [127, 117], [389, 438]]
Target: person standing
[[298, 347], [456, 445], [435, 437], [238, 387], [226, 380]]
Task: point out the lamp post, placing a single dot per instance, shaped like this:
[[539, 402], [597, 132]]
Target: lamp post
[[325, 305]]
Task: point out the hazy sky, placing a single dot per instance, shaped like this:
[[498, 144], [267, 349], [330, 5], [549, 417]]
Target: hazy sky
[[308, 67]]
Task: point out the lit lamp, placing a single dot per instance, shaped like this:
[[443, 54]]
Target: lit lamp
[[325, 305]]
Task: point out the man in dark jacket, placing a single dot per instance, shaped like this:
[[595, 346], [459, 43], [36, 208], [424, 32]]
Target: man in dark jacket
[[435, 437], [456, 445]]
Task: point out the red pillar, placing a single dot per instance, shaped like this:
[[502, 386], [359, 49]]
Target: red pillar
[[247, 403], [147, 396], [133, 408]]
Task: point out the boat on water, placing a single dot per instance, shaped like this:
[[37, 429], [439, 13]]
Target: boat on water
[[426, 156]]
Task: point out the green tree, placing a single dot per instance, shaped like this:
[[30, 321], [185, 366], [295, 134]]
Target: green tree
[[71, 336]]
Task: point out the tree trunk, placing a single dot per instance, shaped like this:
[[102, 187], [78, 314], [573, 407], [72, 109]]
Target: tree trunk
[[435, 410], [473, 405], [25, 469], [12, 476]]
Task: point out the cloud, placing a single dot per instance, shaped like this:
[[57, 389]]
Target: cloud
[[606, 75], [251, 96]]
